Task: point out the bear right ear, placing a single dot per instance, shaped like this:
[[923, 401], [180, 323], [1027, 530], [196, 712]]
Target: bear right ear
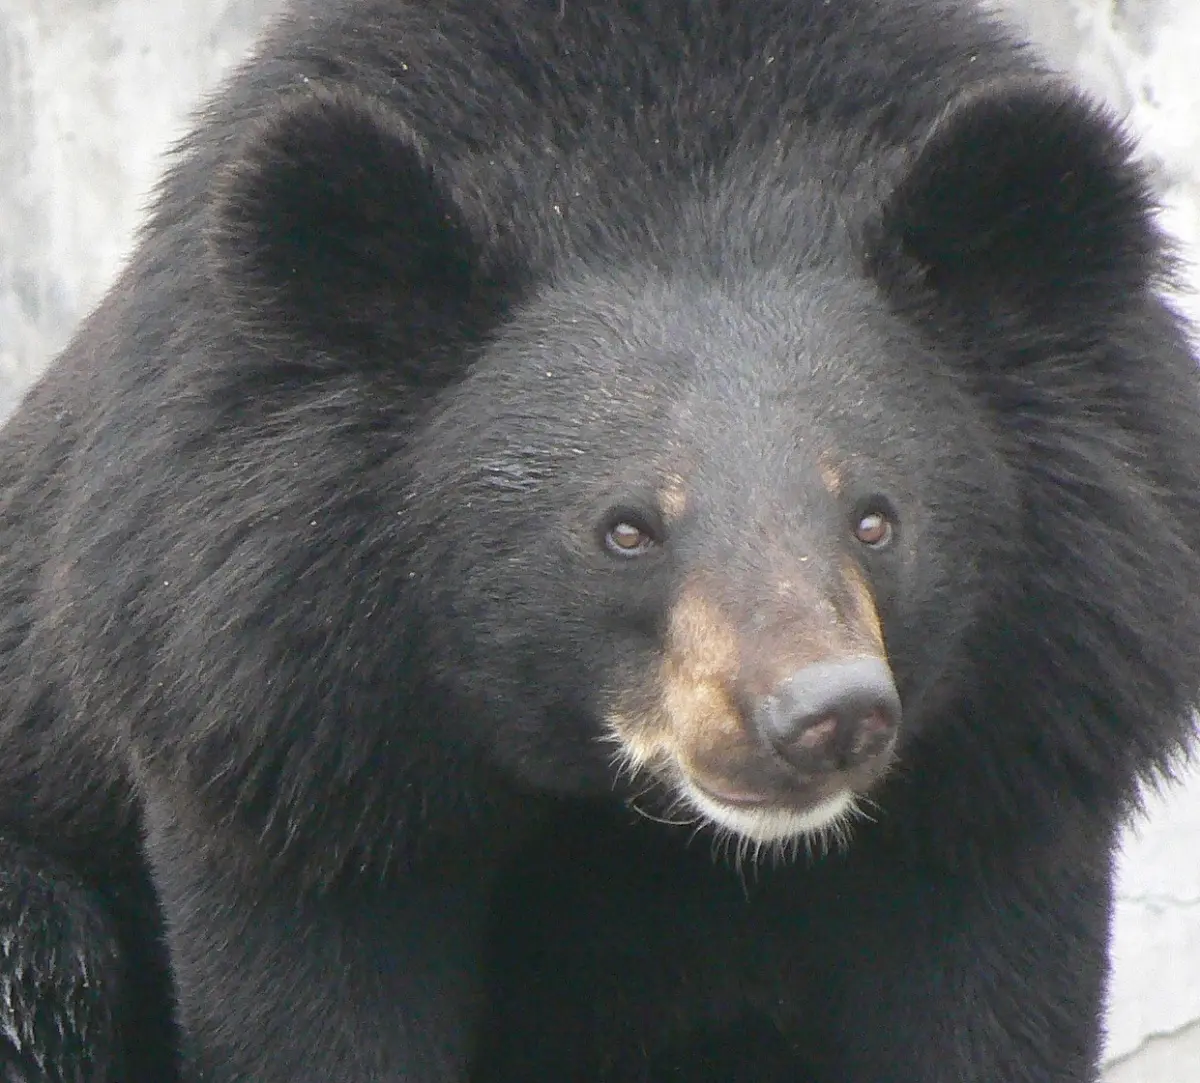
[[1026, 195], [330, 230]]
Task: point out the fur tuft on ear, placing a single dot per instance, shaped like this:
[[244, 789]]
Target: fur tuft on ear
[[1025, 196], [331, 230]]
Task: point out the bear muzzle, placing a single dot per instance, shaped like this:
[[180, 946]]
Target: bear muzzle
[[806, 752], [769, 730]]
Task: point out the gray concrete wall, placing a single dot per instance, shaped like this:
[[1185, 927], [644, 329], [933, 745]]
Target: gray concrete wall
[[91, 92]]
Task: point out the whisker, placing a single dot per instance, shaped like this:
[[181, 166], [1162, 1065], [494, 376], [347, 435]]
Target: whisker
[[632, 804]]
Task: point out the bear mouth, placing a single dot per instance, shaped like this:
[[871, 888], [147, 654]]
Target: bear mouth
[[771, 820]]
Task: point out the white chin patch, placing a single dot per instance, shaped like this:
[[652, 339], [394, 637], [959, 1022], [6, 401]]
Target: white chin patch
[[773, 825]]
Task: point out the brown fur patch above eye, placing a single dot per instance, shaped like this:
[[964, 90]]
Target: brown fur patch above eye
[[831, 476], [672, 499]]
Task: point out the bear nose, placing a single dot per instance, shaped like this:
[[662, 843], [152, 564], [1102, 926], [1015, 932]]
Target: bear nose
[[832, 716]]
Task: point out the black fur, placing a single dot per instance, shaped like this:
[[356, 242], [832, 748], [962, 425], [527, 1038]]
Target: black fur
[[307, 636]]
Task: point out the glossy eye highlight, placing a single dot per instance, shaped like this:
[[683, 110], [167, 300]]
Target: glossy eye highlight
[[628, 535], [874, 525]]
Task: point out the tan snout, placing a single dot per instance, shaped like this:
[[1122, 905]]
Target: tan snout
[[764, 721]]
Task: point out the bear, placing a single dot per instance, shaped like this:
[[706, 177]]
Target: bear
[[625, 543]]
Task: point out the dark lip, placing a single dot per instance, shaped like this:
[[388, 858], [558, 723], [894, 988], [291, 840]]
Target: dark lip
[[741, 800], [782, 799]]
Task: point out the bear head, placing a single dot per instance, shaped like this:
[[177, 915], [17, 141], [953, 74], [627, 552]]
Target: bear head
[[714, 492]]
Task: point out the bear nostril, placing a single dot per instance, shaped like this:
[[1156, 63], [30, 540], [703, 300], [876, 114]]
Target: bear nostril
[[872, 735], [832, 715], [818, 733]]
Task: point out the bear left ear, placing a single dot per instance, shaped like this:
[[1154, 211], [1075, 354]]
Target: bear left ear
[[332, 234], [1025, 194]]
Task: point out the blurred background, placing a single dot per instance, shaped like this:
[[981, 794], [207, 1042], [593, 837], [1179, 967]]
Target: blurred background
[[92, 91]]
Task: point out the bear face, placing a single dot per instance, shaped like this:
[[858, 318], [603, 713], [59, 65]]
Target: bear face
[[683, 521], [690, 611]]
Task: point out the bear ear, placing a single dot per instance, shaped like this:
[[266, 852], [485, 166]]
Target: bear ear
[[331, 230], [1025, 195]]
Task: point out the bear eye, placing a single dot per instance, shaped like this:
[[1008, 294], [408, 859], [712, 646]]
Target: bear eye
[[628, 537], [874, 527]]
